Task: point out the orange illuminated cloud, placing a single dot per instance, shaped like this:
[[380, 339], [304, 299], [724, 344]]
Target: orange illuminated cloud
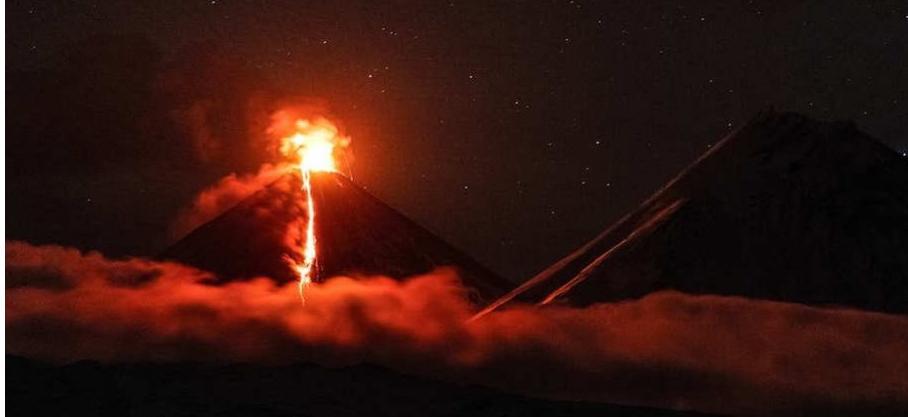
[[721, 354]]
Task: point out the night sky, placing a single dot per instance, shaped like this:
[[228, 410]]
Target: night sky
[[516, 130]]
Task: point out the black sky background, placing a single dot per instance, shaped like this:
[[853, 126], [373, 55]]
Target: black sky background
[[516, 130]]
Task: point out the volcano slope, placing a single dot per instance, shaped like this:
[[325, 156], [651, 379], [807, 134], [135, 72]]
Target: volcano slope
[[357, 234], [786, 208]]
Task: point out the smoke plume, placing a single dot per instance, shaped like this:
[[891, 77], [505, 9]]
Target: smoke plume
[[223, 195]]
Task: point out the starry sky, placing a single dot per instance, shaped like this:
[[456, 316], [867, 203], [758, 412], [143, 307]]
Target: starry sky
[[515, 129]]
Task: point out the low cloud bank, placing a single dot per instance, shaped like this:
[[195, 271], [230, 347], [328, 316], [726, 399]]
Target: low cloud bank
[[709, 353]]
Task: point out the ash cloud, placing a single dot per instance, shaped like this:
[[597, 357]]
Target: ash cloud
[[233, 188], [108, 123], [223, 195], [217, 103], [708, 353]]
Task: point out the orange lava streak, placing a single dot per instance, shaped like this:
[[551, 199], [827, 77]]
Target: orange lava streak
[[305, 269], [312, 144]]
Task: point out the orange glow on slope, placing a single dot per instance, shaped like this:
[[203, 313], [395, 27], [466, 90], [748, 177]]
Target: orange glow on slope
[[312, 145]]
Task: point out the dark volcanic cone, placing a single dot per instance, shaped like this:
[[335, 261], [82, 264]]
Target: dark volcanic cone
[[786, 208], [356, 233]]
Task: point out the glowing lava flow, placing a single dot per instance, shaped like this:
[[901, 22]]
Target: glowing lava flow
[[312, 145], [304, 270]]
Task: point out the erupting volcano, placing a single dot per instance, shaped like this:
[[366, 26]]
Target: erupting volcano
[[276, 233], [312, 145]]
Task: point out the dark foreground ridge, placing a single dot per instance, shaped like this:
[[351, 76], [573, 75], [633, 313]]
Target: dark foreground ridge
[[97, 390], [357, 235], [786, 208]]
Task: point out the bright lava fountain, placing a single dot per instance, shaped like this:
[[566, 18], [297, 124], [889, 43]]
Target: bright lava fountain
[[312, 145]]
